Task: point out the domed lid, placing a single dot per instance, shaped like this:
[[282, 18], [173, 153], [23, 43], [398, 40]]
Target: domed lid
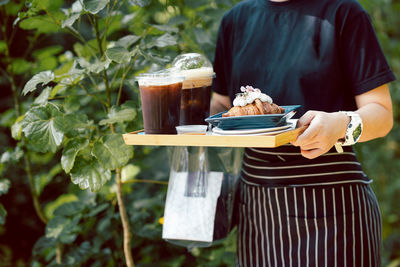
[[192, 65]]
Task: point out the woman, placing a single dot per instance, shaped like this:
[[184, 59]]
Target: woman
[[305, 204]]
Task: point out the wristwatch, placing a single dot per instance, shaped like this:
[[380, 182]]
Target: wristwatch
[[354, 129]]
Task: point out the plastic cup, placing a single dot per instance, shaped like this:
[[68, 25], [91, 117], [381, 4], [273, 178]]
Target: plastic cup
[[160, 94], [192, 129], [196, 88]]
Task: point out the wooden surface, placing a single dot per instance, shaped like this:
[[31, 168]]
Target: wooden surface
[[134, 138]]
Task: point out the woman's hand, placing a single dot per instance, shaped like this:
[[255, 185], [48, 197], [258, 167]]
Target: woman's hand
[[323, 131]]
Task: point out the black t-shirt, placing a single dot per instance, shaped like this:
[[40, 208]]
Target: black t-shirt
[[316, 53]]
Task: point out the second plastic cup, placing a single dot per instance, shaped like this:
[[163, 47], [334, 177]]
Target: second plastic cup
[[196, 89], [160, 94]]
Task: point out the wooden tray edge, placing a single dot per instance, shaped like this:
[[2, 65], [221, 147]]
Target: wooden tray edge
[[133, 138]]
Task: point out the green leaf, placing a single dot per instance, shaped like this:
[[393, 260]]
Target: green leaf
[[3, 46], [44, 127], [89, 173], [166, 28], [177, 20], [43, 77], [69, 209], [12, 155], [129, 172], [49, 5], [42, 24], [95, 67], [72, 103], [71, 77], [98, 209], [70, 20], [43, 179], [115, 116], [87, 50], [47, 52], [4, 186], [52, 206], [44, 95], [3, 214], [7, 118], [141, 3], [75, 121], [70, 152], [154, 58], [94, 6], [165, 40], [65, 68], [16, 128], [63, 229], [47, 63], [112, 152], [20, 66], [119, 54], [42, 246], [127, 41], [201, 36]]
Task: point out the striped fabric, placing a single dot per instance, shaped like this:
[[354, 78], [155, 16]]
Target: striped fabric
[[334, 225], [286, 166]]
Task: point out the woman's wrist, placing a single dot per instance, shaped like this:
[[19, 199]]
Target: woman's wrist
[[343, 121]]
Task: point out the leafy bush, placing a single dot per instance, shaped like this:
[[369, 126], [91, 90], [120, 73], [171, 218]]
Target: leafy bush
[[69, 68]]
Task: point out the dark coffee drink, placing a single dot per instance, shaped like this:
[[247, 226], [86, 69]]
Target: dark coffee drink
[[161, 107], [195, 105], [196, 94]]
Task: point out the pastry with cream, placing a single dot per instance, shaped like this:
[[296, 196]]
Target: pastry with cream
[[252, 102]]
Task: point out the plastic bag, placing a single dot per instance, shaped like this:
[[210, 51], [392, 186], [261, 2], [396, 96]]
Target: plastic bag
[[201, 195]]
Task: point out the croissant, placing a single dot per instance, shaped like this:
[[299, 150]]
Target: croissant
[[256, 108]]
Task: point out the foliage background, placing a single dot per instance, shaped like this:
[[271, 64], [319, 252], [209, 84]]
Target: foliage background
[[84, 227]]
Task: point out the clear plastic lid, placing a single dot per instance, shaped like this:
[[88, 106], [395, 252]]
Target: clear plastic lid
[[192, 66], [162, 77]]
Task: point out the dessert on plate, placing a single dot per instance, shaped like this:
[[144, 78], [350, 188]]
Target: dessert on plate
[[252, 102]]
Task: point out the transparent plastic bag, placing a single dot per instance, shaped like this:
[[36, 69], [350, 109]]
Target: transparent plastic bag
[[201, 195]]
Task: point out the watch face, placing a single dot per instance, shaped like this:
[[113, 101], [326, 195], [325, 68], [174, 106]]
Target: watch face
[[357, 132]]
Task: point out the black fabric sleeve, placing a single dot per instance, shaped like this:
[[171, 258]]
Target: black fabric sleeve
[[221, 60], [364, 64]]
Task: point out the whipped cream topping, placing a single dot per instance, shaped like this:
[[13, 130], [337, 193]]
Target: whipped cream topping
[[248, 95]]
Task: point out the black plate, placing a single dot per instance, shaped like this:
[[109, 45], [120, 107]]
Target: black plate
[[250, 121]]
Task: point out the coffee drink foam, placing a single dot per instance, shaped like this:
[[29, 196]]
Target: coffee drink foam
[[197, 77], [158, 79]]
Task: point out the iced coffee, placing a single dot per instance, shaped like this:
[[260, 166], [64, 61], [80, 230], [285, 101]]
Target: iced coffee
[[161, 102], [196, 93], [196, 88]]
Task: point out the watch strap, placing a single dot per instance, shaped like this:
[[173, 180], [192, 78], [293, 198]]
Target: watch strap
[[353, 130]]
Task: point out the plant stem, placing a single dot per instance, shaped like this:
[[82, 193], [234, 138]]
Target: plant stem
[[104, 73], [124, 217], [125, 222], [121, 84], [35, 197], [121, 205], [59, 251], [92, 95]]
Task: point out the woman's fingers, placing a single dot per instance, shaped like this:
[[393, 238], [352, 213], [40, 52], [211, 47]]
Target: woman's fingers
[[308, 136], [307, 118], [311, 146], [323, 131], [313, 153]]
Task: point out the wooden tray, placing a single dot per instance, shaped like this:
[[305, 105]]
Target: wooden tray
[[134, 138]]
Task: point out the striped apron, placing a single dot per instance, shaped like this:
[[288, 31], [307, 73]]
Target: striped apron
[[334, 225]]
